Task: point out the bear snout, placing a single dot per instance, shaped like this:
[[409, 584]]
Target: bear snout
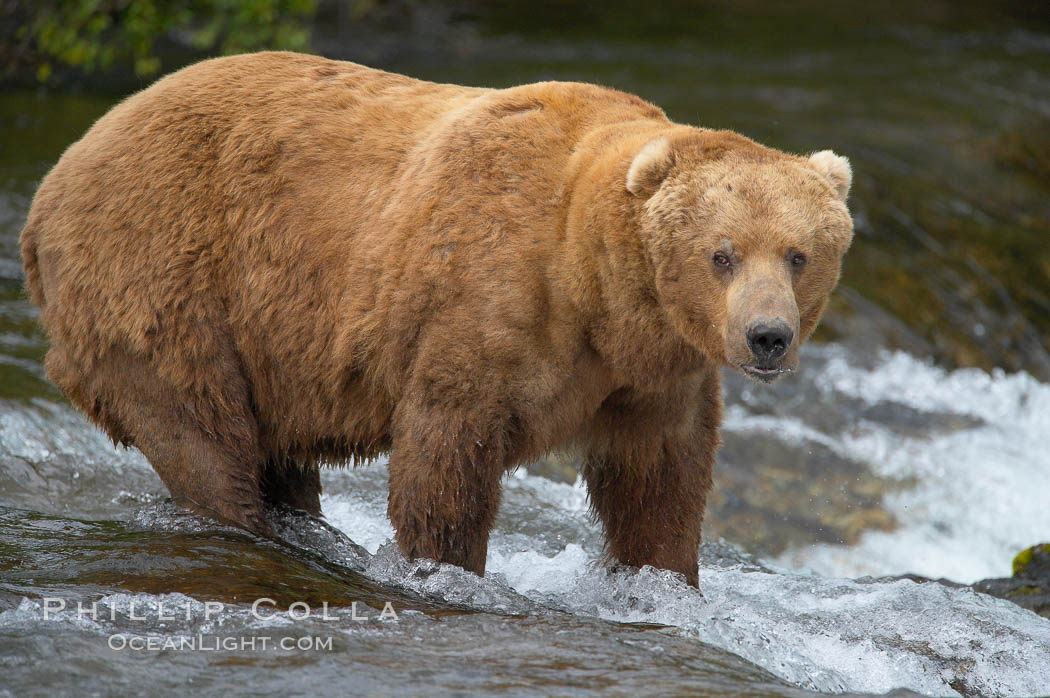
[[770, 344], [769, 339]]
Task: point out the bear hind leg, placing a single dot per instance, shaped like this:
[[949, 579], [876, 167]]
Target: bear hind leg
[[205, 448]]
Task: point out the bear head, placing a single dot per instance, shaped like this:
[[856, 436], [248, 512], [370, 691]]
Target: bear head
[[745, 242]]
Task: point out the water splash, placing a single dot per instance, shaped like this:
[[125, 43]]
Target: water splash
[[971, 442], [825, 634], [977, 498]]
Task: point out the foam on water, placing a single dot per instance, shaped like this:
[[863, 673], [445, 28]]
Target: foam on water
[[980, 493], [975, 500], [822, 633]]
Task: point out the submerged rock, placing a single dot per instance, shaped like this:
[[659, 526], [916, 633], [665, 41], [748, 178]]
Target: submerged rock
[[770, 496], [1030, 585]]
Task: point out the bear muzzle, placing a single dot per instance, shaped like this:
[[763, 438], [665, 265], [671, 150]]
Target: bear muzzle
[[770, 342]]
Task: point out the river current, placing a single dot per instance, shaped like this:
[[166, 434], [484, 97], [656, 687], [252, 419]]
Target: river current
[[912, 441]]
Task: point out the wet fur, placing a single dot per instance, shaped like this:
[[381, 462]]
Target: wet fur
[[268, 262]]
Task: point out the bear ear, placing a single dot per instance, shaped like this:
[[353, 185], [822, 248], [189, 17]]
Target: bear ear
[[649, 167], [835, 168]]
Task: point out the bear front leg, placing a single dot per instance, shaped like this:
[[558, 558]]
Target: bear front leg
[[445, 475], [648, 472]]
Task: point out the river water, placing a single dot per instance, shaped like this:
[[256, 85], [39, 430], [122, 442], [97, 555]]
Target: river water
[[912, 440]]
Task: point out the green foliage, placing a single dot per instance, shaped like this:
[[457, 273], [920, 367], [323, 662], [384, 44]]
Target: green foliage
[[96, 34]]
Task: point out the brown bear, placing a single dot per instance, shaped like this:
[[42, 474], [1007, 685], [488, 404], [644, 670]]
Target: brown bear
[[267, 262]]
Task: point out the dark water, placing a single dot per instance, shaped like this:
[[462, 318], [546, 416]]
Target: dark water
[[868, 463]]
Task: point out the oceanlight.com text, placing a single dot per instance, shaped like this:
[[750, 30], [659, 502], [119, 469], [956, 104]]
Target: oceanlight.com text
[[212, 643]]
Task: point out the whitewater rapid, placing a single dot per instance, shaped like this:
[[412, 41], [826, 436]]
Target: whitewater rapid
[[817, 616]]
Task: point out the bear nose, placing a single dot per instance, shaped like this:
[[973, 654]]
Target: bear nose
[[769, 339]]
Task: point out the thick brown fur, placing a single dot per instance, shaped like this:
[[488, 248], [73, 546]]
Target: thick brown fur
[[266, 262]]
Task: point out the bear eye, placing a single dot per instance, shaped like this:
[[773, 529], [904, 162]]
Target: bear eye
[[720, 259], [798, 260]]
